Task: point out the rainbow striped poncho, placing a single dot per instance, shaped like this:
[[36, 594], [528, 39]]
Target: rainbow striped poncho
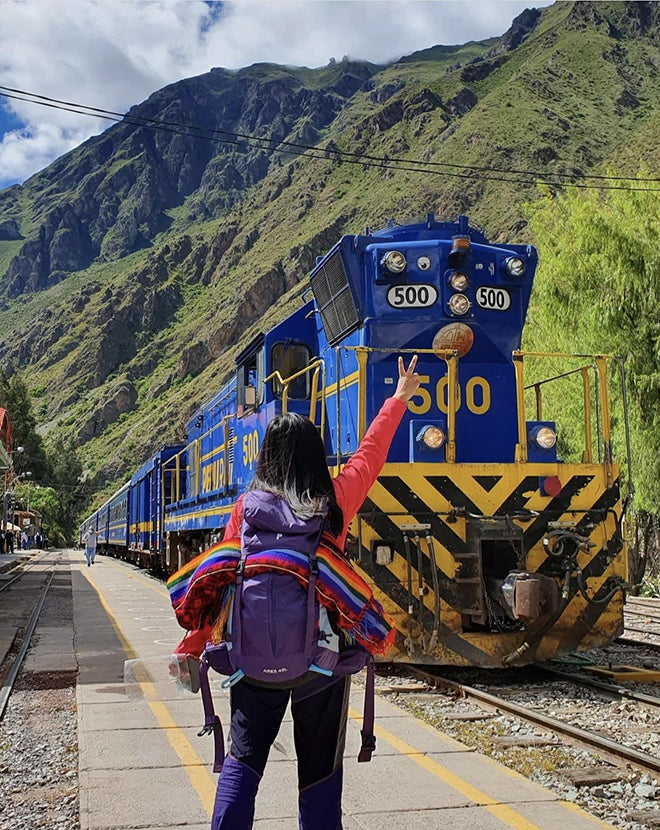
[[196, 588]]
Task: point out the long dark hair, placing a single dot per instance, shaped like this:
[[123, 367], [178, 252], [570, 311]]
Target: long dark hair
[[292, 464]]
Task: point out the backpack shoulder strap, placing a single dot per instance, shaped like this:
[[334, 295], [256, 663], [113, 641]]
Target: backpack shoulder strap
[[367, 731], [312, 617], [212, 722]]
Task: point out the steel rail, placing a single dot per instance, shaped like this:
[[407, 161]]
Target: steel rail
[[22, 566], [581, 736], [617, 691], [627, 641], [6, 690]]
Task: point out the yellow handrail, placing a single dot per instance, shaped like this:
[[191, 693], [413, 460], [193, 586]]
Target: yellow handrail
[[600, 365], [317, 366], [362, 357], [521, 446], [587, 455], [451, 358], [452, 406]]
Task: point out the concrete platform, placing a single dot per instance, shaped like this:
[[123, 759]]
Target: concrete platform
[[142, 764], [8, 560]]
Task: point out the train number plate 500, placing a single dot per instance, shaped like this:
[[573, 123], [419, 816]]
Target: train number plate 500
[[413, 295], [495, 298]]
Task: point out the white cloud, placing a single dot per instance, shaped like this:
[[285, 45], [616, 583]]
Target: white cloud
[[22, 152], [114, 54]]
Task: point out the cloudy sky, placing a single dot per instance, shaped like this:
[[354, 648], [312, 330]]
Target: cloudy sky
[[114, 53]]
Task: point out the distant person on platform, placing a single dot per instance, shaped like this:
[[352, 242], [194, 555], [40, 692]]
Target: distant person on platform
[[25, 541], [90, 546], [9, 540]]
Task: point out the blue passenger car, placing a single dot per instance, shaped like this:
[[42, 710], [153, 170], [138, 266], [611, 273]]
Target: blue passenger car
[[117, 527], [148, 493]]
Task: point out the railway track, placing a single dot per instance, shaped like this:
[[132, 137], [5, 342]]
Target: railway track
[[642, 617], [19, 570], [614, 751], [24, 615], [490, 696]]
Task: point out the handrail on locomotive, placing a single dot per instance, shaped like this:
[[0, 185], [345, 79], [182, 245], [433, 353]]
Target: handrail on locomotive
[[451, 357], [601, 398], [318, 365]]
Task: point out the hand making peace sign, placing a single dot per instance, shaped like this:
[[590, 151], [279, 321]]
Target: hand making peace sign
[[408, 380]]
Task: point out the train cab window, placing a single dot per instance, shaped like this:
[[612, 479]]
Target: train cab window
[[288, 359], [250, 377]]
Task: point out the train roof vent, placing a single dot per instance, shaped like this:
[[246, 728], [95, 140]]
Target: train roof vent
[[334, 299]]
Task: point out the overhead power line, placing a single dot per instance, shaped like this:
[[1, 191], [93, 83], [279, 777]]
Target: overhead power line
[[220, 136]]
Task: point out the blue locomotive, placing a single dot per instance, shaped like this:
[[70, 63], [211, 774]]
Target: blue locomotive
[[482, 545]]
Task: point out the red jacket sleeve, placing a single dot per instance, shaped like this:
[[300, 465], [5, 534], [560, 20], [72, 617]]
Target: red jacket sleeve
[[195, 641], [233, 526], [362, 469]]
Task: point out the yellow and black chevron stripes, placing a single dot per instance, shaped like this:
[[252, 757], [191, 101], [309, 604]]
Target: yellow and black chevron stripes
[[459, 501]]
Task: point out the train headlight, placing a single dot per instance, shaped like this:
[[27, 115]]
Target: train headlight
[[459, 281], [459, 304], [545, 437], [432, 437], [394, 262], [515, 266]]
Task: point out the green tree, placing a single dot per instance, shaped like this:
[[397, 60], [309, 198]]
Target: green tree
[[598, 290], [15, 398], [56, 469], [43, 500], [67, 472]]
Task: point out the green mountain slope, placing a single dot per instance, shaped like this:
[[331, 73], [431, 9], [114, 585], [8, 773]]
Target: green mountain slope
[[131, 267]]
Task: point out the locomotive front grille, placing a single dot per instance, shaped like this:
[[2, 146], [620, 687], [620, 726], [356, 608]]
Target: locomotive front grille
[[334, 299]]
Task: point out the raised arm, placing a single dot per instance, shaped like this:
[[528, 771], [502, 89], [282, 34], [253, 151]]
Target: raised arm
[[362, 469]]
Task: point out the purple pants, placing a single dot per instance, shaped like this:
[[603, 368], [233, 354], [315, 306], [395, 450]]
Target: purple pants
[[319, 712]]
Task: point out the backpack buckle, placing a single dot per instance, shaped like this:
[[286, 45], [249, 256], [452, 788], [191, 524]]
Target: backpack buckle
[[313, 567], [209, 726], [228, 682], [240, 565]]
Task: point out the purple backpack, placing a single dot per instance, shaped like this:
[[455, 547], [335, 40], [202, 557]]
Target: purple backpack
[[278, 634]]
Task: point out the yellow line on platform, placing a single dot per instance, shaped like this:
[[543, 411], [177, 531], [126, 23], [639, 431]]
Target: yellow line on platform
[[193, 765], [501, 811], [205, 786]]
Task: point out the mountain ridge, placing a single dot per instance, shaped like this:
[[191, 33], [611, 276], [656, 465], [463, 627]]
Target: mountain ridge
[[130, 267]]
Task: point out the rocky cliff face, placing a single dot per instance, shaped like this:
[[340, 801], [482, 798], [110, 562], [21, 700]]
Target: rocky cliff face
[[110, 197]]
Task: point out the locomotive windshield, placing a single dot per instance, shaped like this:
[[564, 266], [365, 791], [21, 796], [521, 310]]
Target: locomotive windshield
[[288, 359]]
